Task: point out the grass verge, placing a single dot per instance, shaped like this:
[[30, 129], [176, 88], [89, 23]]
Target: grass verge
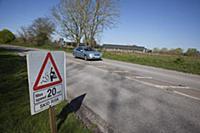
[[15, 114], [172, 62]]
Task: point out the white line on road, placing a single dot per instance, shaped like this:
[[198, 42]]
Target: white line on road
[[158, 86], [178, 87], [120, 71], [101, 69], [141, 77], [183, 94], [165, 87], [145, 83], [101, 66]]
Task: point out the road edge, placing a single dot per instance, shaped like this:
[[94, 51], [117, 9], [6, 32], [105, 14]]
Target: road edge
[[93, 121]]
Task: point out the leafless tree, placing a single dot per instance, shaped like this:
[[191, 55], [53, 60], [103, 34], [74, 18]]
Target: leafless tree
[[42, 28], [101, 14], [23, 34], [39, 32], [69, 14], [85, 19]]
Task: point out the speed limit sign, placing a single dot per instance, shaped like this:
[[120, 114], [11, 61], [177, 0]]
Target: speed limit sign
[[47, 79]]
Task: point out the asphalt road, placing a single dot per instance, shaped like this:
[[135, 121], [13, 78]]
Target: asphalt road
[[137, 99]]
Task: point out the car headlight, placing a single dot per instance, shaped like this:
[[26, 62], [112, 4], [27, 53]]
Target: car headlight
[[90, 55]]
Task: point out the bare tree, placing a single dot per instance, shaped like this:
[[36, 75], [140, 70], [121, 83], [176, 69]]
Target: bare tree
[[84, 19], [101, 14], [42, 28], [39, 32], [23, 34], [69, 14]]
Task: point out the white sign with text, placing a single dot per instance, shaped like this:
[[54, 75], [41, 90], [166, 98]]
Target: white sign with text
[[47, 79]]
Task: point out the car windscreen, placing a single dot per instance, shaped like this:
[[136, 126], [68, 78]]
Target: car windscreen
[[89, 49]]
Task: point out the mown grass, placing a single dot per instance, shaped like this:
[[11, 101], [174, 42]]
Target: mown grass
[[15, 114], [172, 62]]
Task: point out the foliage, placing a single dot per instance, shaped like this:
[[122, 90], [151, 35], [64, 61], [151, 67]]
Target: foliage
[[38, 33], [42, 28], [179, 60], [192, 52], [176, 51], [163, 50], [6, 36], [156, 50]]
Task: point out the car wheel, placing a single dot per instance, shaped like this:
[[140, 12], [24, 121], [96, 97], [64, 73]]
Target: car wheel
[[74, 55], [85, 58]]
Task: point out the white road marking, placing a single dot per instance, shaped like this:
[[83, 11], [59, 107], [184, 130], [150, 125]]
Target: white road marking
[[178, 87], [120, 71], [140, 77], [101, 66], [147, 83], [183, 94], [101, 69], [165, 87], [158, 86]]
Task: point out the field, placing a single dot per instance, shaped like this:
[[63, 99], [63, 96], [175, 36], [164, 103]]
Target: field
[[15, 114], [173, 62]]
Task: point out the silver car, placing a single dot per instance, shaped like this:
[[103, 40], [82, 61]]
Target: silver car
[[86, 53]]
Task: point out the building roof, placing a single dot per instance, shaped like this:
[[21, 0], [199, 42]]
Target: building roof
[[123, 47]]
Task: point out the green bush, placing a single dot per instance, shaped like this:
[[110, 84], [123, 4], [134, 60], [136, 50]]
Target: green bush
[[192, 52], [6, 36], [179, 60]]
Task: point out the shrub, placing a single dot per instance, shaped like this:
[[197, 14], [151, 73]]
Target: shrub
[[6, 36], [179, 60], [191, 52]]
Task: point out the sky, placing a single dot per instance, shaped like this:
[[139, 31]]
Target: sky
[[149, 23]]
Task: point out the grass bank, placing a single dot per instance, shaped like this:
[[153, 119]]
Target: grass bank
[[15, 114], [172, 62], [46, 46]]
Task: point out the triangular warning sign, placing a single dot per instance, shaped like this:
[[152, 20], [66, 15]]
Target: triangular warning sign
[[48, 74]]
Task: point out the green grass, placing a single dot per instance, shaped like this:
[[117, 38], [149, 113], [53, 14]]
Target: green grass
[[172, 62], [15, 114], [46, 46]]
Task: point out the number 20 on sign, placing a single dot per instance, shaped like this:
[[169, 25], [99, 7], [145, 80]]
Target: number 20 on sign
[[47, 79]]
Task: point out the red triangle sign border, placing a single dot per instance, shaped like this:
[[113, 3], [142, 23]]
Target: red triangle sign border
[[36, 87]]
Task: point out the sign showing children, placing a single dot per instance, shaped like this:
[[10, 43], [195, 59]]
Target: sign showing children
[[47, 79]]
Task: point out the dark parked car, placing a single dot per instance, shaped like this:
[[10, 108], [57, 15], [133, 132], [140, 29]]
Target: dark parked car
[[86, 53]]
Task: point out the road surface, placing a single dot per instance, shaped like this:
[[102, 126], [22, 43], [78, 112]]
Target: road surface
[[137, 99], [134, 98]]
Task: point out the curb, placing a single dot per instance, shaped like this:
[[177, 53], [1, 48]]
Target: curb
[[92, 120]]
